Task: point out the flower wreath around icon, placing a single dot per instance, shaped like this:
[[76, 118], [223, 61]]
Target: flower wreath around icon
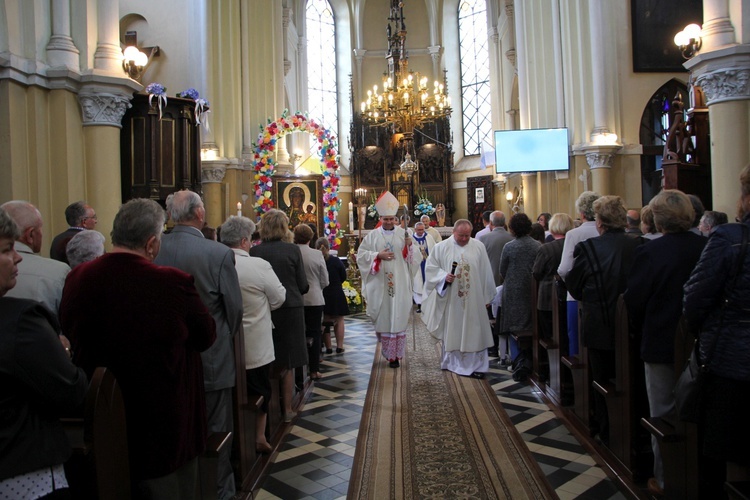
[[264, 164]]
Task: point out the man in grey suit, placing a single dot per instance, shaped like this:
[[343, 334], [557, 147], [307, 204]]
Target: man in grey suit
[[494, 242], [212, 266]]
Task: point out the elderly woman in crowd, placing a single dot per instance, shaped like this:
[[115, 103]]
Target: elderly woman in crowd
[[654, 299], [317, 278], [262, 292], [717, 300], [648, 226], [85, 246], [515, 269], [147, 325], [599, 275], [544, 270], [290, 348], [39, 385], [335, 301]]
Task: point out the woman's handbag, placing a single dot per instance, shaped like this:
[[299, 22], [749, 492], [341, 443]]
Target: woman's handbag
[[688, 391]]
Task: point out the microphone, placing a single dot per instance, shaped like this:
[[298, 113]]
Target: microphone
[[453, 271]]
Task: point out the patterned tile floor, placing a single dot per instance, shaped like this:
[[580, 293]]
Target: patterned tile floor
[[315, 460]]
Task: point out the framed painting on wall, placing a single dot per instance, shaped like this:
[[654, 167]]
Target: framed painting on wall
[[655, 23], [300, 198]]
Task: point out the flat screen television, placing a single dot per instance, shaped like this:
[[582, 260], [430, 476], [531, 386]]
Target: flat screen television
[[533, 150]]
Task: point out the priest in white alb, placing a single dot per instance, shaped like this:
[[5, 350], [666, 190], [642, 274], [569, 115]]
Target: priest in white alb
[[385, 260], [458, 288]]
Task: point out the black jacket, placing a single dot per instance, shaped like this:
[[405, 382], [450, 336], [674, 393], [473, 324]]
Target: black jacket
[[711, 282], [38, 384], [599, 275], [654, 295]]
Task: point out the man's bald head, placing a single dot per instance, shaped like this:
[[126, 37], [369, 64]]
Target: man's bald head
[[29, 221]]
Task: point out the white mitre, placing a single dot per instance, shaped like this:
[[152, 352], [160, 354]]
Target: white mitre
[[387, 204]]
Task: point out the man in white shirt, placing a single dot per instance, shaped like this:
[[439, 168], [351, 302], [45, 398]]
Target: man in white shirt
[[585, 207], [486, 215], [39, 278]]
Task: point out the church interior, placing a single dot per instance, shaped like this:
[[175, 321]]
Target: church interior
[[316, 107]]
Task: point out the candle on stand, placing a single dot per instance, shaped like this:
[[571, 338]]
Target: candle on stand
[[239, 209], [351, 217]]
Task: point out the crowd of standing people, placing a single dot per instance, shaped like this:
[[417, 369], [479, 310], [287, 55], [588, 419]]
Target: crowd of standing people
[[161, 310]]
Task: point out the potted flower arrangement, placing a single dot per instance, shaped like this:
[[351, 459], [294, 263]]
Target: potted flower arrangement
[[353, 298], [423, 206], [372, 212]]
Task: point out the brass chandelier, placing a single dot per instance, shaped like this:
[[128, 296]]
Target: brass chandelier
[[406, 101]]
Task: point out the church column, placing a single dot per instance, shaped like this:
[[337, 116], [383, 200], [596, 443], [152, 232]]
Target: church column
[[212, 177], [435, 55], [600, 152], [104, 97], [600, 162], [359, 55], [61, 51], [530, 186]]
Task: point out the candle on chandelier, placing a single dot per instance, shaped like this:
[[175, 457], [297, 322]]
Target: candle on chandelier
[[351, 217]]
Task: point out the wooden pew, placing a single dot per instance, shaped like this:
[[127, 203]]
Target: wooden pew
[[246, 463], [553, 386], [619, 392], [677, 440], [99, 467], [579, 370]]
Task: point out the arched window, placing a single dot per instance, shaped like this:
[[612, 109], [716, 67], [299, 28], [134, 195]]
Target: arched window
[[475, 75], [321, 63]]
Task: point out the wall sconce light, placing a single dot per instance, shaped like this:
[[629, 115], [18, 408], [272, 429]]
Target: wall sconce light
[[509, 198], [689, 40], [135, 62]]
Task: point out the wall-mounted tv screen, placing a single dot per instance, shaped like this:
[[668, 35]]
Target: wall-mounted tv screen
[[532, 150]]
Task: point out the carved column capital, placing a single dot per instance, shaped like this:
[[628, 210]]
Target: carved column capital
[[510, 54], [599, 160], [213, 174], [509, 9], [286, 16], [287, 66], [725, 85], [103, 108]]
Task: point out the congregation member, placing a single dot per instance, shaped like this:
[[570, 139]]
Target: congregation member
[[459, 288], [148, 325], [317, 278], [654, 299], [385, 259], [537, 233], [515, 271], [79, 216], [335, 307], [699, 211], [587, 229], [648, 226], [494, 242], [39, 385], [84, 247], [711, 220], [486, 221], [39, 278], [599, 275], [634, 222], [717, 301], [544, 219], [424, 243], [544, 269], [212, 266], [425, 219], [290, 347], [262, 292]]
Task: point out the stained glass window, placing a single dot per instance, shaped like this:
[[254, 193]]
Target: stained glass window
[[475, 75], [321, 64]]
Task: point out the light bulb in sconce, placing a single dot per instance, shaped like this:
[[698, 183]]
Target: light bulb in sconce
[[509, 196]]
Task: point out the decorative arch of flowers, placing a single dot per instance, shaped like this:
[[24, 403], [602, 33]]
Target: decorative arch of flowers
[[264, 165]]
